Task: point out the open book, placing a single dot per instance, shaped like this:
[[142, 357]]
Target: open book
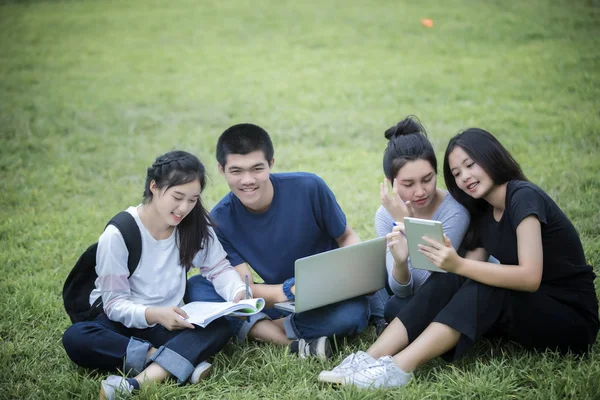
[[202, 313]]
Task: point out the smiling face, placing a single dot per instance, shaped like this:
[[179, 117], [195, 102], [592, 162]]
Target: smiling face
[[468, 175], [175, 203], [248, 178], [416, 182]]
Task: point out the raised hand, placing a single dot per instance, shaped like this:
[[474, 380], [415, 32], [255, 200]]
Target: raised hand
[[442, 255], [171, 318], [394, 203]]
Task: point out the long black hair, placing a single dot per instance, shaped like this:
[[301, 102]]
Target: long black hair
[[485, 150], [178, 168], [407, 142]]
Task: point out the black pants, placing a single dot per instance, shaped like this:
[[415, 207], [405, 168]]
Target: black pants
[[394, 305], [535, 320]]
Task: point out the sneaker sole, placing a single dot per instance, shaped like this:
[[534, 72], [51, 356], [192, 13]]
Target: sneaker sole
[[325, 377], [200, 374]]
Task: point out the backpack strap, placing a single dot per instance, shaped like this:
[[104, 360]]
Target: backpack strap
[[130, 231]]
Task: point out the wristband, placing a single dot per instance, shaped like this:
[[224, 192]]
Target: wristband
[[287, 285]]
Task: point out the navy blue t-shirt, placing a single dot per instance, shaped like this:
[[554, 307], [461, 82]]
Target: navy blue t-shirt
[[303, 219]]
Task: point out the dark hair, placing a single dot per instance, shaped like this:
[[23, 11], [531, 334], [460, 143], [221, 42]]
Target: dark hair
[[178, 168], [243, 139], [485, 150], [407, 142]]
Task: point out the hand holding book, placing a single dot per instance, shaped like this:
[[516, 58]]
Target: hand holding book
[[202, 313]]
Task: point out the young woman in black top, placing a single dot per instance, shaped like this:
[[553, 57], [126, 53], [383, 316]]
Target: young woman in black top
[[541, 295]]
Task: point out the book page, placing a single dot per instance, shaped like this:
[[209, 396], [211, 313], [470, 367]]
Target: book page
[[202, 312], [249, 307]]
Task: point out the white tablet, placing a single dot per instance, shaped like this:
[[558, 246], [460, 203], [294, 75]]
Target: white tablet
[[416, 228]]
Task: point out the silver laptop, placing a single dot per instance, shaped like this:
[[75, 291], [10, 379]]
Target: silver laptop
[[337, 275]]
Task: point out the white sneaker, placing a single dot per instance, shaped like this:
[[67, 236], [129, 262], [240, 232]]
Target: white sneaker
[[201, 371], [354, 362], [115, 387], [383, 374]]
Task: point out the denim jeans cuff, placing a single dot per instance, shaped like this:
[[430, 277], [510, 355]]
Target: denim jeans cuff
[[290, 328], [135, 356], [245, 326], [175, 364]]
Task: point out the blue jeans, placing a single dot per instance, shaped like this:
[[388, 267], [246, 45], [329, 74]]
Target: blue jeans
[[109, 345], [346, 318], [377, 303]]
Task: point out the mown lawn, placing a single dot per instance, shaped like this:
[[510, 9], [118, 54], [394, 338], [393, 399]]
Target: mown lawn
[[92, 91]]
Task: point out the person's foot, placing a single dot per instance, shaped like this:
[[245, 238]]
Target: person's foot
[[354, 362], [312, 348], [201, 371], [115, 387], [383, 374]]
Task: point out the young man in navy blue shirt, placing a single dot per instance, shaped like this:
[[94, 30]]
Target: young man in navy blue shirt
[[268, 221]]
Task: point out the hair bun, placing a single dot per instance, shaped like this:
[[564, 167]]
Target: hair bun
[[407, 126], [391, 132]]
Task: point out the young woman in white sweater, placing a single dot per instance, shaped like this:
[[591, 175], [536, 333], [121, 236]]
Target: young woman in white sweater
[[142, 331]]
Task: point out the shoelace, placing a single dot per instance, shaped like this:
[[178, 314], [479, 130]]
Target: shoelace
[[375, 370], [351, 361], [348, 361]]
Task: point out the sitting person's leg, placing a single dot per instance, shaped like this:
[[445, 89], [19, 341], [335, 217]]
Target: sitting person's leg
[[104, 344], [268, 329], [394, 305], [177, 355], [377, 303], [541, 321], [474, 310], [180, 351], [535, 320], [199, 288], [429, 300], [345, 318], [259, 327]]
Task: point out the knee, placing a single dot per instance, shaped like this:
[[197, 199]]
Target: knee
[[394, 305], [75, 343], [199, 288]]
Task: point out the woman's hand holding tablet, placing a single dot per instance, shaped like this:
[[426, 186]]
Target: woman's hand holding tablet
[[422, 254]]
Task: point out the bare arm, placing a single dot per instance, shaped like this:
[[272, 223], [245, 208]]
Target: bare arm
[[274, 293], [526, 276], [349, 237], [271, 293]]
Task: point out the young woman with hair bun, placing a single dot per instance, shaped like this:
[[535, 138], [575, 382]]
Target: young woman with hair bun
[[410, 166]]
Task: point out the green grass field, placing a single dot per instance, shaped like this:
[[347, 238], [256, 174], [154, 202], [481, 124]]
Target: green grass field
[[92, 91]]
